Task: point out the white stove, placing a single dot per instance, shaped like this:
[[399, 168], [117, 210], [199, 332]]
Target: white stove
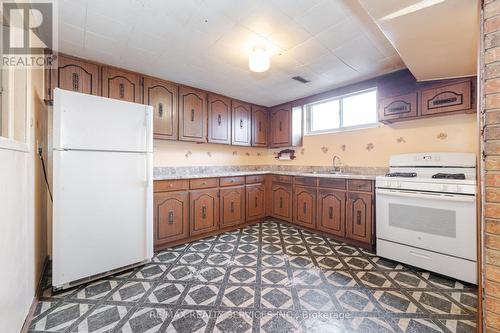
[[429, 222]]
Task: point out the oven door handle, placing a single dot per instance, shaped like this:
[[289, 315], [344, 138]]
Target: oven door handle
[[426, 195]]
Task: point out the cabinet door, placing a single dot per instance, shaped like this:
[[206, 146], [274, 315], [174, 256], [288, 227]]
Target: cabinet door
[[162, 95], [331, 211], [241, 113], [120, 84], [359, 217], [280, 131], [282, 202], [399, 107], [259, 126], [232, 206], [75, 75], [192, 115], [447, 98], [304, 206], [219, 119], [255, 201], [171, 214], [204, 205]]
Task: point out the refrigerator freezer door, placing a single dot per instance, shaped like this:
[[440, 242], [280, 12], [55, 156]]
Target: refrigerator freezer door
[[102, 218], [87, 122]]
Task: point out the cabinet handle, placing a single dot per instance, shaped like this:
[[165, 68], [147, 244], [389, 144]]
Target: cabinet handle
[[330, 212], [219, 119], [170, 217], [256, 202], [232, 206], [281, 202], [358, 217], [204, 212], [160, 110], [260, 126], [280, 126], [121, 88], [444, 101], [76, 81], [304, 208], [192, 114], [241, 123]]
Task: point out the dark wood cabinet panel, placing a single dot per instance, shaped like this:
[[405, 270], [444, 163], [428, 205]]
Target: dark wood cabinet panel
[[171, 217], [255, 201], [241, 114], [398, 107], [304, 206], [260, 123], [232, 206], [280, 126], [120, 84], [219, 119], [281, 197], [75, 75], [162, 95], [331, 211], [359, 217], [204, 206], [192, 115], [447, 98]]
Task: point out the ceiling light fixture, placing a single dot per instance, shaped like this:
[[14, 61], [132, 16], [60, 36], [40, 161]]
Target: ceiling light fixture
[[259, 60], [411, 9]]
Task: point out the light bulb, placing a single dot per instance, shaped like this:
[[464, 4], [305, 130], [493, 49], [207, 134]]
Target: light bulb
[[259, 60]]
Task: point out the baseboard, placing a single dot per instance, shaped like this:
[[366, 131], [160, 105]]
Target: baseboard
[[29, 317]]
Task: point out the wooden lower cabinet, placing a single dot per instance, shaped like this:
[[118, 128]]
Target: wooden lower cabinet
[[255, 201], [204, 211], [358, 221], [304, 206], [331, 211], [232, 206], [281, 196], [171, 217]]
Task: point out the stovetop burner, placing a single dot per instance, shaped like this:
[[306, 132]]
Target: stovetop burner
[[402, 174], [449, 176]]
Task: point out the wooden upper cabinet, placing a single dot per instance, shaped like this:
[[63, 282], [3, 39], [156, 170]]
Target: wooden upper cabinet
[[171, 217], [120, 84], [331, 211], [304, 206], [162, 95], [192, 115], [447, 98], [75, 75], [241, 114], [359, 217], [260, 121], [281, 197], [280, 126], [398, 107], [255, 201], [232, 206], [219, 119], [204, 216]]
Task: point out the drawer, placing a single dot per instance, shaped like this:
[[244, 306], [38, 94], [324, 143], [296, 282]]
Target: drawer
[[203, 183], [231, 181], [170, 185], [308, 181], [337, 183], [282, 179], [361, 185], [255, 179]]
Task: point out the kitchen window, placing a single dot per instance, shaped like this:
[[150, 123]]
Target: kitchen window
[[348, 112]]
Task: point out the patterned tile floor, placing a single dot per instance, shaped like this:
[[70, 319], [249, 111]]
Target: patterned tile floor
[[268, 277]]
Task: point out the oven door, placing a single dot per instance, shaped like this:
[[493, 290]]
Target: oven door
[[444, 223]]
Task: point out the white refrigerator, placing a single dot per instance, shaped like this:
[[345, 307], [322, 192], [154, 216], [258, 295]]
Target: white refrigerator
[[102, 187]]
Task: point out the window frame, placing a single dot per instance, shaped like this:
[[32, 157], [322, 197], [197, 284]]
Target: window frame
[[340, 98]]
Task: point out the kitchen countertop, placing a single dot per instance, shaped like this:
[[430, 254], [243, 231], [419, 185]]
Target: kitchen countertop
[[248, 173]]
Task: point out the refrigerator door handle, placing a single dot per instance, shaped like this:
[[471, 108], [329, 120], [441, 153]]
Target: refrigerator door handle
[[149, 128], [149, 207]]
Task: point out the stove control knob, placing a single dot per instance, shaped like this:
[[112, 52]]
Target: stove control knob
[[398, 184], [458, 189], [444, 188], [389, 184]]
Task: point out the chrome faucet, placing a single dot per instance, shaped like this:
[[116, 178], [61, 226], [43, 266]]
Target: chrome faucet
[[335, 167]]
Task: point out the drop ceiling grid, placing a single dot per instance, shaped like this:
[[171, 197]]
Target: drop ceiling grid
[[205, 43]]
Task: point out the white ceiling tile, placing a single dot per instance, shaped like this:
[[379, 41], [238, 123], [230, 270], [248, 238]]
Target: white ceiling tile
[[72, 12], [123, 10], [308, 51], [100, 43], [294, 8], [71, 33], [107, 26], [265, 20], [359, 53], [324, 63], [322, 16], [335, 36], [289, 36]]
